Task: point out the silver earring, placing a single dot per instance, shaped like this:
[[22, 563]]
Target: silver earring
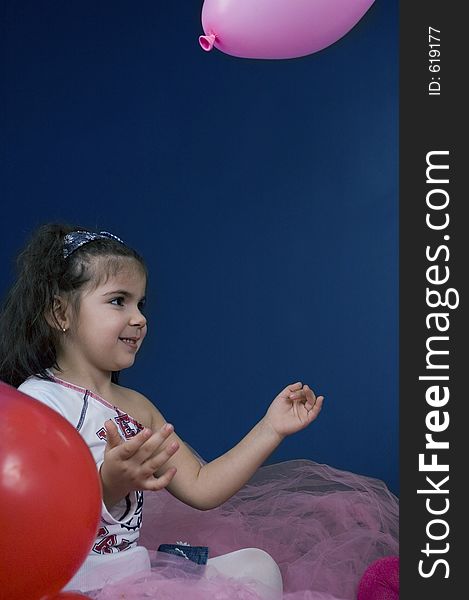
[[64, 329]]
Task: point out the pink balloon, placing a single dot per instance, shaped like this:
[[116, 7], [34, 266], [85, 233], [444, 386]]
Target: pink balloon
[[277, 28]]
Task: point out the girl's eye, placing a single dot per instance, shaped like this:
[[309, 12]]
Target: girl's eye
[[118, 301], [141, 306]]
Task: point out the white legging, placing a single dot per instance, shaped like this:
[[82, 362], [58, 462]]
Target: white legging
[[248, 563], [253, 564]]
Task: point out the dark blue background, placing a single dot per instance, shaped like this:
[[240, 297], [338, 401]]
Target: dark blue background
[[263, 195]]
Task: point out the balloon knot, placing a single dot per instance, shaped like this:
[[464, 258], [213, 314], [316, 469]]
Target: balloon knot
[[207, 42]]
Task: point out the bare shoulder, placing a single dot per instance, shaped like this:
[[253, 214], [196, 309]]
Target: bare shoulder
[[140, 407]]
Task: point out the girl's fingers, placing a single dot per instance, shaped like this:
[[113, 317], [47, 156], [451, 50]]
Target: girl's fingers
[[113, 439], [304, 395], [145, 444], [130, 447], [293, 387], [158, 483], [316, 409], [310, 398], [155, 462], [155, 444]]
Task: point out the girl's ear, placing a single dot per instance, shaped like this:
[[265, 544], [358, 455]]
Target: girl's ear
[[58, 317]]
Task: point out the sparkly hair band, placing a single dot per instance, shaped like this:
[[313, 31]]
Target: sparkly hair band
[[76, 239]]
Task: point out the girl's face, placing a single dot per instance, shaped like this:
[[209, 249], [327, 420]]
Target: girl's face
[[110, 327]]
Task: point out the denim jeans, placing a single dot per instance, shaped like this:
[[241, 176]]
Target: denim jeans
[[197, 554]]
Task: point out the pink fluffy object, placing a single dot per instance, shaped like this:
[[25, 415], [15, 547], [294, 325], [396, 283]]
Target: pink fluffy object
[[323, 526], [380, 581]]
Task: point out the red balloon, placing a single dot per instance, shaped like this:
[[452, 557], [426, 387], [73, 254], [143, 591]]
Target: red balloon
[[70, 596], [50, 498]]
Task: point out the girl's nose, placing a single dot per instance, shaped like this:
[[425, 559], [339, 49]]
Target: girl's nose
[[138, 319]]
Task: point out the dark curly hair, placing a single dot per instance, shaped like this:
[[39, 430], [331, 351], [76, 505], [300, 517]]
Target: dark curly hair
[[27, 341]]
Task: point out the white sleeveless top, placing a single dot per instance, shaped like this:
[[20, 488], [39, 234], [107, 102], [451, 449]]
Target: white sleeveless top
[[119, 528]]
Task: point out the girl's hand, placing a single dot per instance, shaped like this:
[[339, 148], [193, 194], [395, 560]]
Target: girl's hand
[[293, 409], [131, 464]]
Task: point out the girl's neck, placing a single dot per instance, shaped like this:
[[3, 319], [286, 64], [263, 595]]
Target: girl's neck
[[97, 382]]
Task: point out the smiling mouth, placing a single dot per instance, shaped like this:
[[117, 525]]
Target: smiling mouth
[[131, 342]]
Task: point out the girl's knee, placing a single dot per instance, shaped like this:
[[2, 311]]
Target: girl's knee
[[260, 557], [260, 565], [250, 563]]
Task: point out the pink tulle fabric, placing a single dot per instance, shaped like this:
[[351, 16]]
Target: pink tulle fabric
[[323, 526]]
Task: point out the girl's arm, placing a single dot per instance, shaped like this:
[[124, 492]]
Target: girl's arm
[[207, 486]]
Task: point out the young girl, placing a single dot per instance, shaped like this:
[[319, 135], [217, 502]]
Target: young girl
[[72, 321], [75, 319]]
